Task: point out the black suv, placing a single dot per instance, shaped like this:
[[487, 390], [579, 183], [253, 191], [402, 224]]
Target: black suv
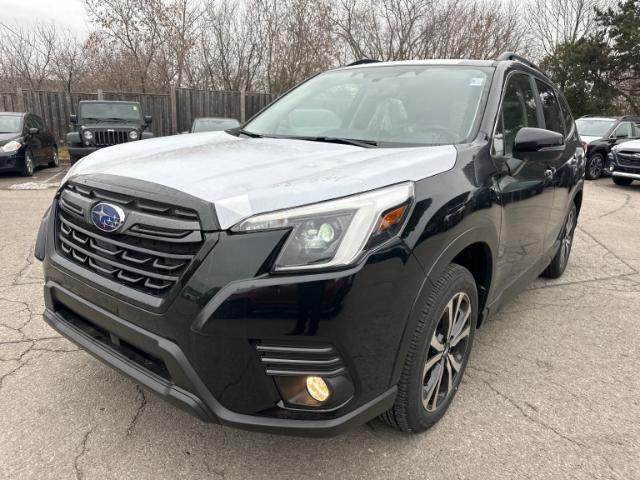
[[330, 260], [599, 134], [103, 124]]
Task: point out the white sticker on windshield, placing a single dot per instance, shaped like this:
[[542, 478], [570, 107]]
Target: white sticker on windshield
[[135, 108], [477, 82]]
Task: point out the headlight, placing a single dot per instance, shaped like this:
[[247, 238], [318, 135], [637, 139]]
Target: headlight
[[133, 135], [11, 146], [87, 134], [336, 233]]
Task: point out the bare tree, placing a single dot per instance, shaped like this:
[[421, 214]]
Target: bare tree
[[27, 53], [556, 22], [69, 60], [132, 26], [409, 29]]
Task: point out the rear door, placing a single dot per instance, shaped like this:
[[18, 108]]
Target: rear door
[[562, 166], [526, 193]]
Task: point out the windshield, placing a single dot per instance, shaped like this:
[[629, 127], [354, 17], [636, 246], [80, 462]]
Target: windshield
[[213, 124], [9, 124], [404, 105], [594, 127], [110, 111]]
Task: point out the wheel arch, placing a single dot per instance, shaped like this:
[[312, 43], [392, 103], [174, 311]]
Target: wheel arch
[[577, 199], [476, 250]]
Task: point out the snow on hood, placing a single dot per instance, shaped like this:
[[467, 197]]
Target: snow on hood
[[246, 176]]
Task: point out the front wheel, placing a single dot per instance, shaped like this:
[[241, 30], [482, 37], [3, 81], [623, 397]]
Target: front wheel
[[27, 165], [438, 353], [595, 166], [622, 181]]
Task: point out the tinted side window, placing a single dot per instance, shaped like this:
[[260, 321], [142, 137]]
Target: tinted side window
[[518, 111], [550, 108], [624, 130], [39, 123], [29, 122], [566, 113]]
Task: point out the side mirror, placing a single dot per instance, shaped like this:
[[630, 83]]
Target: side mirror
[[34, 131], [73, 118], [148, 119], [532, 140]]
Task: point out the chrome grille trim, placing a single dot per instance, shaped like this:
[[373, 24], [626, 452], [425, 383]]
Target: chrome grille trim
[[151, 259], [285, 360]]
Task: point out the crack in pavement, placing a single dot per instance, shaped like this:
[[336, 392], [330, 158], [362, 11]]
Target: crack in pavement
[[626, 203], [525, 414], [140, 409], [83, 451], [590, 235]]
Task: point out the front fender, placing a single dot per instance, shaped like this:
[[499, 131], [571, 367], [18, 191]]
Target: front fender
[[73, 138]]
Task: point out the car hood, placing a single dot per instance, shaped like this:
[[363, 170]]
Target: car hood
[[111, 125], [588, 139], [631, 145], [7, 137], [246, 176]]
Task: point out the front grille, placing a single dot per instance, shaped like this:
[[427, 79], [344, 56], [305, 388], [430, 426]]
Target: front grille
[[110, 136], [153, 251], [631, 159], [287, 360]]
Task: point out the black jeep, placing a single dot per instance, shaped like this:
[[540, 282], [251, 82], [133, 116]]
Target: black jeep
[[105, 123]]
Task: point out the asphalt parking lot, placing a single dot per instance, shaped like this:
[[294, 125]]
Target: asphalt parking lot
[[552, 389]]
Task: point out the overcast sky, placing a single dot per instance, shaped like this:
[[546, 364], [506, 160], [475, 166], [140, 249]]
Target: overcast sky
[[68, 13]]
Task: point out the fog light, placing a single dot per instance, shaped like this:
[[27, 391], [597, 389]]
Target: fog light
[[317, 388]]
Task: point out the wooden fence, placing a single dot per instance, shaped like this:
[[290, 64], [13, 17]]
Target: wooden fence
[[172, 112]]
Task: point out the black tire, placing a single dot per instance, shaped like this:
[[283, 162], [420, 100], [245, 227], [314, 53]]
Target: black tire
[[622, 181], [28, 166], [595, 166], [73, 159], [559, 263], [410, 413], [55, 160]]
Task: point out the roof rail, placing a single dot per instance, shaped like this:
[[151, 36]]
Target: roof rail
[[363, 61], [519, 58]]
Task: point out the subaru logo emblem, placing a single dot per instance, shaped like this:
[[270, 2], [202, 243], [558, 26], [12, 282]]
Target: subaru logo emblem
[[107, 217]]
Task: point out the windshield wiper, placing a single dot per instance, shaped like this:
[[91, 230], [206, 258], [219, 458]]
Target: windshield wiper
[[249, 134], [345, 141]]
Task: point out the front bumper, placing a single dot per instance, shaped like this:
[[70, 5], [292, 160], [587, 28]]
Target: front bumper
[[11, 161], [198, 349], [81, 151], [186, 391], [635, 176], [623, 168]]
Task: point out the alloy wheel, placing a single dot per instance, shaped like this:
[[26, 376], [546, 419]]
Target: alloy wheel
[[28, 163], [567, 238], [446, 352], [596, 166]]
